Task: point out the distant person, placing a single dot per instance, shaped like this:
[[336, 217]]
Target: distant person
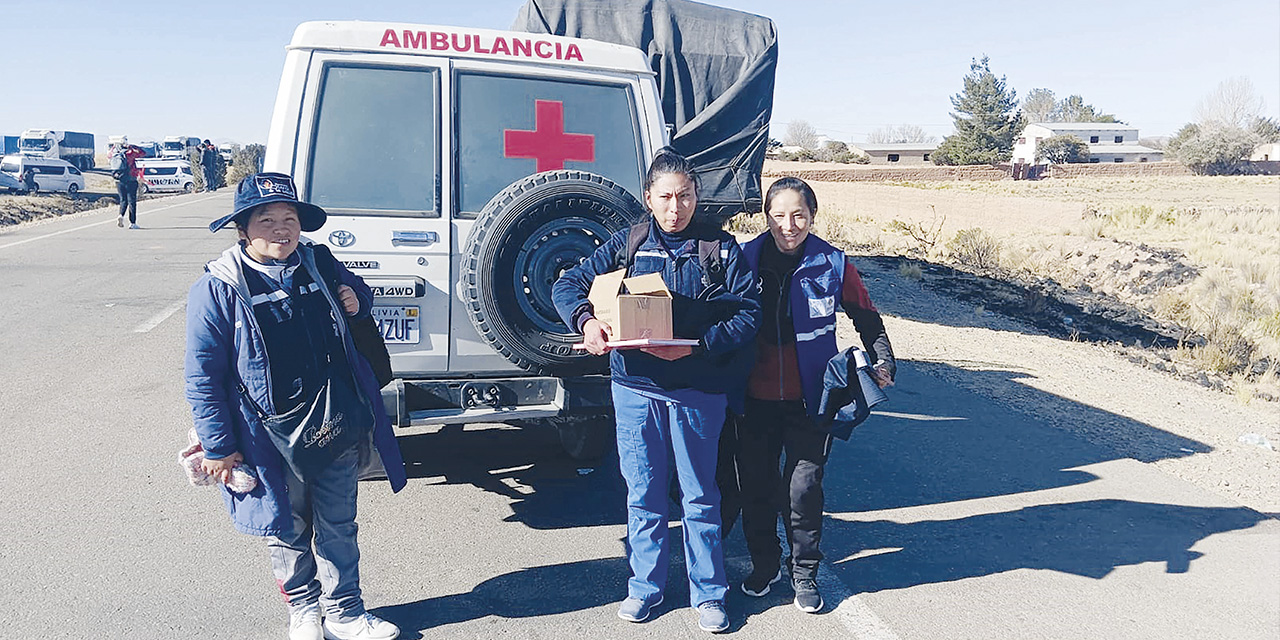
[[804, 281], [670, 401], [29, 180], [209, 161], [275, 382], [125, 169]]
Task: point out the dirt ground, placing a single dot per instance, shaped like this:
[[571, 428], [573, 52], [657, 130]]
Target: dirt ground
[[1092, 390]]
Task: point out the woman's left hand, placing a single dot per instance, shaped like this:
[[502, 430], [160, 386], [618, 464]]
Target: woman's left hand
[[347, 296]]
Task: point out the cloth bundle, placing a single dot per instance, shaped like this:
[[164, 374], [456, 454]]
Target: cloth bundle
[[242, 478]]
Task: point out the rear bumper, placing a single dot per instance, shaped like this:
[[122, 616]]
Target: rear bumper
[[414, 405]]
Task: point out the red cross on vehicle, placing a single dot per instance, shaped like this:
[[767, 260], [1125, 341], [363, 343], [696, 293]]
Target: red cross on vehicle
[[548, 143]]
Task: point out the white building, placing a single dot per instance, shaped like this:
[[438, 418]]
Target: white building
[[907, 153], [1266, 152], [1108, 142]]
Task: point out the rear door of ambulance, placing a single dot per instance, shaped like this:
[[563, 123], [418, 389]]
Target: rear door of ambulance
[[369, 150]]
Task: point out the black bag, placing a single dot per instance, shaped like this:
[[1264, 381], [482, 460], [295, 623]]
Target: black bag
[[316, 432], [364, 332]]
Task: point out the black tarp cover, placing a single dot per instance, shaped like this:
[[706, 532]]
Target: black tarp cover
[[715, 70]]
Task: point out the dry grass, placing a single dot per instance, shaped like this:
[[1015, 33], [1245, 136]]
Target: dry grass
[[1201, 252]]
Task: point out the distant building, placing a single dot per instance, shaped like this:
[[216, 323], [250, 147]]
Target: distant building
[[907, 153], [1108, 142], [1268, 152]]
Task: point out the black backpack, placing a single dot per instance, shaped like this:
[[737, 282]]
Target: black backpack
[[708, 254]]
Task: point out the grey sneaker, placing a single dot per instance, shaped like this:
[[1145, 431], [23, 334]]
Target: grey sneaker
[[638, 609], [305, 625], [808, 599], [366, 627], [712, 616], [120, 222], [134, 226], [757, 584]]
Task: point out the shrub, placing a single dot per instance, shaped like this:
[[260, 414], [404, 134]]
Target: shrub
[[1214, 149], [246, 162], [1062, 149], [975, 248]]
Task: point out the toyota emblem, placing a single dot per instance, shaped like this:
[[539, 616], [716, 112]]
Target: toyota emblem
[[342, 238]]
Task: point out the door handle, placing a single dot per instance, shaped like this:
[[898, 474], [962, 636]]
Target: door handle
[[414, 237]]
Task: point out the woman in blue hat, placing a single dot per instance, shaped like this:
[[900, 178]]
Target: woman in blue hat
[[268, 353]]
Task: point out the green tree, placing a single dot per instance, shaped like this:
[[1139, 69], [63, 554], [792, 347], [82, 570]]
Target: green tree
[[987, 120], [1040, 105], [1073, 109], [1266, 129], [1062, 149]]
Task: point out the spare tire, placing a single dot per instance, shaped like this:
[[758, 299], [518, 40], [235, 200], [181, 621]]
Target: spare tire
[[523, 240]]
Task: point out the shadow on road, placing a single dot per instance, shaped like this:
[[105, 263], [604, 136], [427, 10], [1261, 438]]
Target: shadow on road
[[934, 443], [527, 593], [1090, 538]]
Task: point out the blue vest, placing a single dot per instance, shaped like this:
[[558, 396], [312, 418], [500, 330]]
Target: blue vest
[[816, 292]]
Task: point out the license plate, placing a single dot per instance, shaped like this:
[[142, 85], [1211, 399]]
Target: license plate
[[398, 325]]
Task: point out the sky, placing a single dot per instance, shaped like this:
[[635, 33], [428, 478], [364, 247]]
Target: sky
[[211, 69]]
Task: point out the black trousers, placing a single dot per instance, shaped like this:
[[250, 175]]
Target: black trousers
[[128, 192], [769, 429]]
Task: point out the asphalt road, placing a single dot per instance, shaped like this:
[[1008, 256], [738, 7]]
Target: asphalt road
[[948, 516]]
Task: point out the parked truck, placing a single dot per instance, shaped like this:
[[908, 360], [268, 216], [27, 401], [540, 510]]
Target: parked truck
[[10, 145], [73, 146], [178, 146]]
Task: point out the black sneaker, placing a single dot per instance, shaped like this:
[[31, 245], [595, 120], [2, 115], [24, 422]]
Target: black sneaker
[[757, 584], [808, 599]]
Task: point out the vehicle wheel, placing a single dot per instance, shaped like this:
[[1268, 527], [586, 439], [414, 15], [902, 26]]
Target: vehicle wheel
[[524, 239], [73, 189], [189, 187], [584, 437], [143, 189]]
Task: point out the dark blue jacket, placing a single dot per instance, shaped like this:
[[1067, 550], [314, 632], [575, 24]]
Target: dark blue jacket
[[723, 317], [224, 347]]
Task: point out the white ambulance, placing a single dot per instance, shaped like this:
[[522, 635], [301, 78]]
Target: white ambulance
[[464, 170]]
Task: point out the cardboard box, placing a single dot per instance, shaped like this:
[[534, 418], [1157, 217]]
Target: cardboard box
[[635, 308]]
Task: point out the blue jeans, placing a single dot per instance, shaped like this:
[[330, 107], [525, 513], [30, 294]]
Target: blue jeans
[[654, 429], [324, 513]]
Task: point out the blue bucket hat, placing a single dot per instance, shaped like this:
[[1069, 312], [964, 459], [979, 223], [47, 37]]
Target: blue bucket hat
[[265, 188]]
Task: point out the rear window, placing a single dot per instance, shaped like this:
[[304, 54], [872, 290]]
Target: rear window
[[9, 167], [375, 145], [160, 171], [510, 127]]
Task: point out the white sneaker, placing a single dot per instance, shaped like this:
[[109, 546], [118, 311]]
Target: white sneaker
[[120, 221], [305, 625], [134, 226], [366, 627]]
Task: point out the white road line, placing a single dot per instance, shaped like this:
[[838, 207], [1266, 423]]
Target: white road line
[[154, 321], [96, 224], [851, 611]]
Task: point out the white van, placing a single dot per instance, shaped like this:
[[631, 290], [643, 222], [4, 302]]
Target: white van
[[165, 175], [51, 174]]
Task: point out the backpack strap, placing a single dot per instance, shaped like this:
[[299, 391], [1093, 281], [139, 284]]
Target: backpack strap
[[635, 237], [712, 265]]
